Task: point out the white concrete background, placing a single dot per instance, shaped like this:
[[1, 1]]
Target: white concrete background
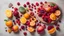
[[4, 6]]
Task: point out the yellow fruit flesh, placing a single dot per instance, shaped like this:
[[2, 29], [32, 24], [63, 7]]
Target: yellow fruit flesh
[[53, 16], [32, 23], [57, 12], [30, 29], [26, 15], [52, 31], [9, 30], [23, 20], [8, 13]]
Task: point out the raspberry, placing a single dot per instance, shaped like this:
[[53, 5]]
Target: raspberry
[[18, 3], [37, 4]]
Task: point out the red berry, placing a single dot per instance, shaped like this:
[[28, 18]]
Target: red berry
[[44, 26], [18, 3], [23, 27], [20, 29], [29, 6], [25, 33], [28, 3], [24, 5], [41, 2], [28, 23], [19, 23], [15, 9], [37, 4], [57, 27], [15, 13], [32, 4], [31, 9], [50, 27], [45, 1], [12, 7], [31, 13], [6, 30]]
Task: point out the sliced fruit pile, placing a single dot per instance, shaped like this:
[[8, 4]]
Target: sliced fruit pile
[[23, 17], [49, 12]]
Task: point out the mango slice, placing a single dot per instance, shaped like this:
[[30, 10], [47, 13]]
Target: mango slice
[[8, 13], [23, 20]]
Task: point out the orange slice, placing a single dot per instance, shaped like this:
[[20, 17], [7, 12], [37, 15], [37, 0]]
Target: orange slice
[[8, 13], [30, 29], [32, 23], [57, 12], [52, 31], [26, 15], [23, 20], [9, 23], [53, 16]]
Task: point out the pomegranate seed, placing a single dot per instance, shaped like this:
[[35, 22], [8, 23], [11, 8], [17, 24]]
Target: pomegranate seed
[[50, 27], [18, 3], [28, 23], [38, 24], [25, 33], [22, 27], [15, 9], [21, 15], [36, 20], [31, 9], [37, 4], [32, 4], [28, 3], [24, 5], [45, 1], [57, 27], [29, 6], [35, 8], [60, 21], [41, 2], [12, 7], [44, 26], [35, 11], [6, 30], [19, 23], [31, 13]]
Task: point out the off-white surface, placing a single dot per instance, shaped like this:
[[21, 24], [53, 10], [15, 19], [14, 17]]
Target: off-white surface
[[4, 6]]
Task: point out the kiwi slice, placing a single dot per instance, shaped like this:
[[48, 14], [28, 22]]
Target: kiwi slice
[[22, 9]]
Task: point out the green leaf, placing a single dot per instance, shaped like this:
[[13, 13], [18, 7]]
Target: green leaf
[[52, 4]]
